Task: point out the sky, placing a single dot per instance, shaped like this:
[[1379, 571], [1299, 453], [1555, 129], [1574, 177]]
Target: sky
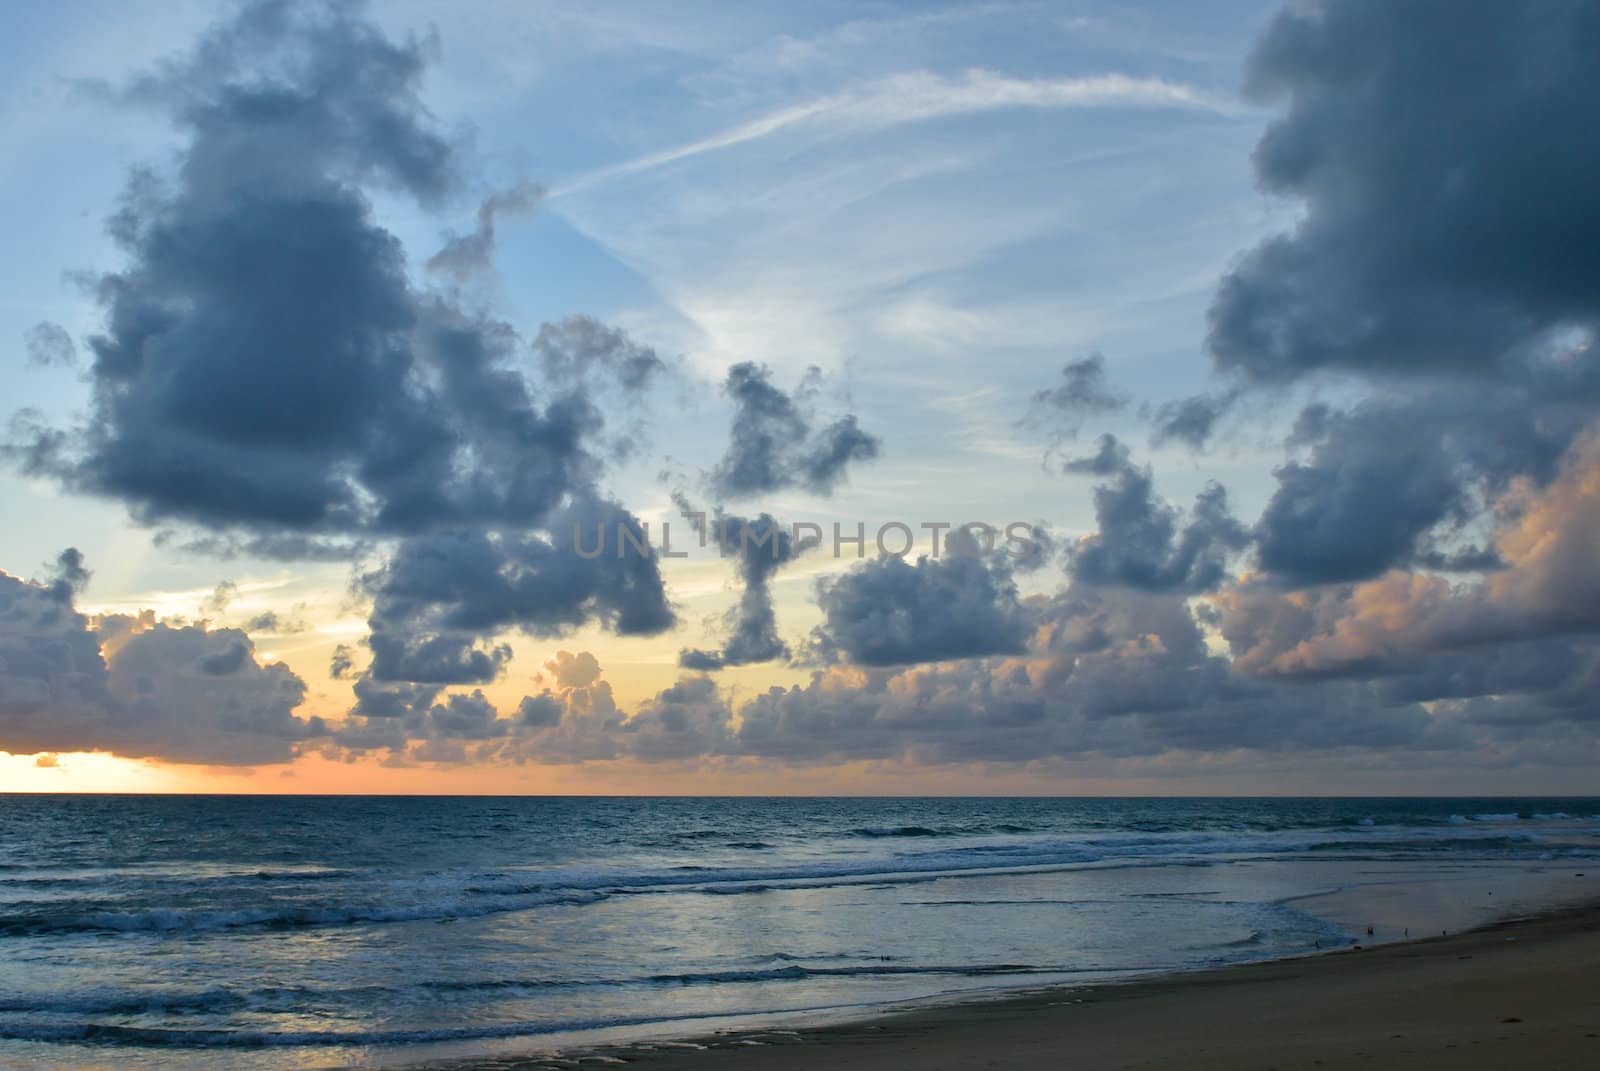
[[1213, 387]]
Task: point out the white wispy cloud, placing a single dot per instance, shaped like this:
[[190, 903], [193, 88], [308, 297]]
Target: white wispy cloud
[[921, 96]]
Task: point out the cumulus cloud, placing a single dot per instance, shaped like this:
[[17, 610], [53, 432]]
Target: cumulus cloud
[[1434, 269], [268, 380], [1139, 542], [1109, 672], [1112, 672], [1546, 589], [440, 600], [1397, 481], [777, 440], [1449, 210], [573, 719], [761, 547], [266, 371], [886, 612], [138, 687]]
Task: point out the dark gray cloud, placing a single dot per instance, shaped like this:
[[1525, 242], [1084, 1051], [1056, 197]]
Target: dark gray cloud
[[1401, 481], [778, 442], [1114, 673], [1191, 420], [1447, 220], [375, 700], [466, 717], [269, 382], [1139, 542], [69, 575], [137, 687], [53, 693], [1545, 588], [225, 662], [579, 353], [1083, 393], [266, 371], [761, 547], [688, 719], [1110, 457], [886, 612], [1450, 212], [441, 599], [273, 623], [285, 546], [341, 663], [1362, 502], [575, 718]]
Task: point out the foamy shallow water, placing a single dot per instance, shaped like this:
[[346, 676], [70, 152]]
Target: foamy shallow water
[[276, 933]]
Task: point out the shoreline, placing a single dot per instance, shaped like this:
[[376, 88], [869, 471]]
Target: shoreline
[[1524, 988]]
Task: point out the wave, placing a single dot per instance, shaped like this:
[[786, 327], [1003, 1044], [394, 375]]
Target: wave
[[450, 896], [1485, 842], [222, 1000], [875, 832], [168, 920]]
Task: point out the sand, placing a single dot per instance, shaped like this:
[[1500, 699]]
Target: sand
[[1523, 995]]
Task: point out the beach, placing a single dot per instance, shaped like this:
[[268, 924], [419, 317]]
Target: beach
[[1523, 993]]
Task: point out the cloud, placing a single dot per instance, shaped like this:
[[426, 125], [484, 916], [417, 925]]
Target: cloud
[[1546, 589], [138, 687], [1111, 673], [921, 96], [1368, 494], [1138, 542], [886, 612], [1117, 673], [1082, 393], [49, 346], [1394, 482], [466, 256], [688, 719], [70, 574], [1191, 420], [1432, 276], [574, 719], [220, 598], [268, 381], [776, 443], [760, 547], [273, 623], [266, 371], [440, 600], [1449, 210]]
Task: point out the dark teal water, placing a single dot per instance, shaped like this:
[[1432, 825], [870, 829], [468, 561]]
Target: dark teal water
[[295, 931]]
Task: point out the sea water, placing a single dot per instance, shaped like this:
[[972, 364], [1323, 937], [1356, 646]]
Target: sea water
[[275, 932]]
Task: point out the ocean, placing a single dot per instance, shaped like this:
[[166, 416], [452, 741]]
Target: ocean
[[291, 932]]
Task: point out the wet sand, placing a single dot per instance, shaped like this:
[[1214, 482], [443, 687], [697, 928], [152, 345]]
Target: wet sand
[[1522, 994]]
